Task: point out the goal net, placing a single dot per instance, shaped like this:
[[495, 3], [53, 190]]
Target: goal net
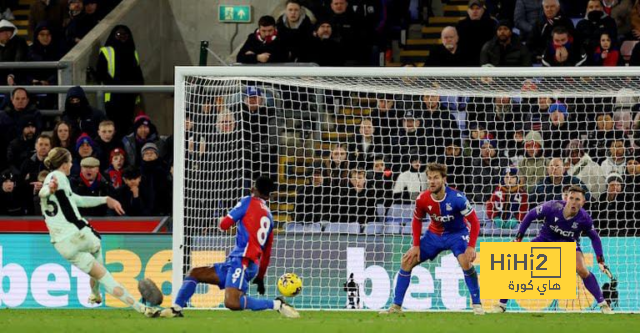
[[347, 149]]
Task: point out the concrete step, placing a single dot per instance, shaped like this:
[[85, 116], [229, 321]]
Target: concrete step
[[414, 56]]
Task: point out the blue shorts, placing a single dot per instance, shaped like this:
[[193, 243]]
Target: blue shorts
[[432, 244], [544, 240], [233, 275]]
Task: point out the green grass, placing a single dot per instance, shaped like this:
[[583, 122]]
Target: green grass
[[68, 321]]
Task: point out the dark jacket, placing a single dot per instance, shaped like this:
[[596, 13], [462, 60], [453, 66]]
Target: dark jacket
[[10, 120], [513, 54], [547, 190], [441, 57], [312, 203], [29, 173], [15, 50], [127, 68], [588, 30], [254, 43], [541, 34], [441, 130], [526, 15], [139, 206], [474, 34], [577, 56], [20, 150], [158, 184], [356, 206], [325, 52], [39, 52], [55, 13], [99, 188], [296, 40], [79, 26], [82, 117], [613, 218], [11, 203]]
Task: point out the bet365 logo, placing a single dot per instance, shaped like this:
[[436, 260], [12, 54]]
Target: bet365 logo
[[528, 270]]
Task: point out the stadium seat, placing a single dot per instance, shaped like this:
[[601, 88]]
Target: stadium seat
[[400, 214], [342, 228], [294, 228], [392, 229], [374, 228], [481, 212], [407, 229], [627, 48], [380, 213]]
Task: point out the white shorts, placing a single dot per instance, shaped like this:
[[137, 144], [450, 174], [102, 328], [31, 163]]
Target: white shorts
[[80, 249]]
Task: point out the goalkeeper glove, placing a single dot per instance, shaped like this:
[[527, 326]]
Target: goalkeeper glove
[[519, 237], [600, 259], [260, 283]]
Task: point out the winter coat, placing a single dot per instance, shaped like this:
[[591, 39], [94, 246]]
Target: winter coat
[[526, 15], [441, 57], [508, 203], [547, 190], [254, 43], [621, 13], [99, 188], [312, 203], [158, 183], [356, 206], [484, 177], [409, 185], [515, 54], [588, 30], [11, 120], [473, 35], [15, 50], [533, 169], [590, 173], [541, 34], [609, 165], [82, 117], [296, 40]]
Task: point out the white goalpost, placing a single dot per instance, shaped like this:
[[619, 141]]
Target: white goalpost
[[347, 148]]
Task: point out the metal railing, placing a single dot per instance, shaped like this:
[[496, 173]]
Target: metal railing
[[33, 65]]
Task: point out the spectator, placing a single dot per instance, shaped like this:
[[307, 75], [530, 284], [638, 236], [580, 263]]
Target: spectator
[[106, 142], [347, 30], [312, 201], [607, 52], [384, 116], [62, 136], [16, 112], [91, 183], [616, 160], [52, 11], [158, 179], [366, 145], [336, 168], [559, 129], [80, 24], [374, 16], [526, 16], [264, 45], [143, 132], [119, 64], [612, 214], [13, 48], [515, 145], [85, 147], [11, 204], [457, 165], [509, 202], [410, 183], [580, 165], [134, 194], [325, 50], [632, 188], [44, 48], [596, 22], [486, 171], [598, 139], [475, 30], [6, 9], [357, 203], [31, 168], [551, 187], [21, 148], [37, 209], [448, 54], [505, 49], [295, 29], [541, 36], [381, 181], [259, 116], [80, 115], [117, 158], [534, 165], [92, 11], [635, 21], [410, 140], [620, 11], [441, 128], [501, 117], [563, 50]]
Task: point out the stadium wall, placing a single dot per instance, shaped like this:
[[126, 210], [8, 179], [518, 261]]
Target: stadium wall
[[34, 275]]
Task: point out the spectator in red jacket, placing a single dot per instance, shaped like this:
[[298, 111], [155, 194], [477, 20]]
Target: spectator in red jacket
[[607, 53], [508, 204]]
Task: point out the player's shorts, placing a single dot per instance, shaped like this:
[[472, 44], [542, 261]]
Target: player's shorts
[[233, 274], [544, 240], [81, 249], [432, 244]]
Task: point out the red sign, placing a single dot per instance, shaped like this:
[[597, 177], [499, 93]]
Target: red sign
[[116, 225]]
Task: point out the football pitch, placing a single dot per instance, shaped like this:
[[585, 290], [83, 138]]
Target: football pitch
[[49, 321]]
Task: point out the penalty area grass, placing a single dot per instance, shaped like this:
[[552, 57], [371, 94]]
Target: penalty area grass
[[110, 320]]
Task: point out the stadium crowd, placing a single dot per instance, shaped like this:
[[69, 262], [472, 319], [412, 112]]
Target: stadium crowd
[[507, 154]]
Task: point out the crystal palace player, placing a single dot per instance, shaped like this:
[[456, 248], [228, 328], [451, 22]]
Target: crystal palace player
[[565, 221], [250, 256], [448, 230]]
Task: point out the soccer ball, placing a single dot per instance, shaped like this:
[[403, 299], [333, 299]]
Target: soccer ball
[[289, 285]]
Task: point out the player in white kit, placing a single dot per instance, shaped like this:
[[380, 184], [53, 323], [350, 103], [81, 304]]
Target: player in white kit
[[73, 237]]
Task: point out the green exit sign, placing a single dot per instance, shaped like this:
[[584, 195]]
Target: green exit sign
[[235, 14]]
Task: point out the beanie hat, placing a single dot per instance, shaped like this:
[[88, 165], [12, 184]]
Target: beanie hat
[[149, 145], [7, 175], [614, 176], [560, 107], [115, 152], [140, 120], [84, 138]]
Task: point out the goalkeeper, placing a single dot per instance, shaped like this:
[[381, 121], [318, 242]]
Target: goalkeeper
[[249, 259]]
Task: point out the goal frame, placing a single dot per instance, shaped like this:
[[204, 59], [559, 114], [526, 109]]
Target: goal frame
[[181, 72]]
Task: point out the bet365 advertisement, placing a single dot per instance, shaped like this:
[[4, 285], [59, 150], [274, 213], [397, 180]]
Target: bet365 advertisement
[[338, 271]]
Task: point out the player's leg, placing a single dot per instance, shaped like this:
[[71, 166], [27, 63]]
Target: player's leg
[[429, 248], [590, 282], [196, 275], [96, 297], [458, 244]]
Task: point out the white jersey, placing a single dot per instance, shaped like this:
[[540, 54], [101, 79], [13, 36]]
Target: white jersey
[[60, 209]]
